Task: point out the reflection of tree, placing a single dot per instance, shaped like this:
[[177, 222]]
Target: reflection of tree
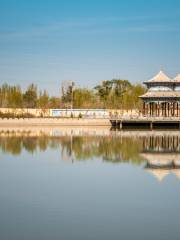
[[112, 148], [11, 145], [43, 143], [30, 144], [121, 149]]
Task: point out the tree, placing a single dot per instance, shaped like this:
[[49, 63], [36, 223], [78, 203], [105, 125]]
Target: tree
[[30, 96], [54, 102], [67, 93], [104, 90], [111, 92], [43, 100], [83, 98]]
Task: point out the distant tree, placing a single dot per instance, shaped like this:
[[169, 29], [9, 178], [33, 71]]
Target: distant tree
[[30, 96], [104, 90], [43, 100], [84, 98], [120, 86], [54, 102], [67, 93], [111, 92], [15, 97], [115, 93]]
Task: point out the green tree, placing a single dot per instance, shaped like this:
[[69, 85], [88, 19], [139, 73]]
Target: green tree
[[30, 96], [54, 102], [83, 98], [43, 100]]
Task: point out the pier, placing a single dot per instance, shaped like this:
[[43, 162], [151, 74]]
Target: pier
[[146, 122]]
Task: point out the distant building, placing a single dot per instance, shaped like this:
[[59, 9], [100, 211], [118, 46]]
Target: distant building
[[162, 97]]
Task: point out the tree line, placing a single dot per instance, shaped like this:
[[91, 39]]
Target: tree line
[[110, 94]]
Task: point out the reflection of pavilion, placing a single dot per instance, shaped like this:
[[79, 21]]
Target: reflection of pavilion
[[162, 154]]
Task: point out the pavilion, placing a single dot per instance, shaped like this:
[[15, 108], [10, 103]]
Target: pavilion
[[163, 96]]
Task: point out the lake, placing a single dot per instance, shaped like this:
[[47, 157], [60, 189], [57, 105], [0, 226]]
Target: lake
[[88, 184]]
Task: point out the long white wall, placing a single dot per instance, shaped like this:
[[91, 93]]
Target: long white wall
[[92, 113]]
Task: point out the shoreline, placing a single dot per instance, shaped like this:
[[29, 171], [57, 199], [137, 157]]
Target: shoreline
[[54, 122]]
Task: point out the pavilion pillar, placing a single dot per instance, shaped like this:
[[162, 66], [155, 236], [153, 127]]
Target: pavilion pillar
[[168, 109], [150, 109], [144, 108], [163, 109], [159, 109], [177, 109], [153, 109], [173, 109]]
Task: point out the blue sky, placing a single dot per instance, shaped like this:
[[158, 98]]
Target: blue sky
[[87, 41]]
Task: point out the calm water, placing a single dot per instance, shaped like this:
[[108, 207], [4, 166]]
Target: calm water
[[89, 184]]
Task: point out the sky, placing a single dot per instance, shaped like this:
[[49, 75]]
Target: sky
[[87, 41]]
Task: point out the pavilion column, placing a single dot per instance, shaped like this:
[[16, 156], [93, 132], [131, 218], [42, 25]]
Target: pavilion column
[[168, 109], [173, 109], [153, 109], [177, 109], [145, 109], [149, 109], [158, 109], [163, 109], [144, 106]]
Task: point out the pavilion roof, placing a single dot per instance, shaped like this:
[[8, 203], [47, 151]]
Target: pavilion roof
[[176, 173], [159, 94], [161, 159], [177, 78], [159, 174], [160, 77]]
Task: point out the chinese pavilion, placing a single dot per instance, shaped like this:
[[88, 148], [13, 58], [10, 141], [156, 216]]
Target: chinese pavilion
[[163, 96]]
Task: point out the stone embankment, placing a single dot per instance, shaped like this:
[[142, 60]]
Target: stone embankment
[[39, 122]]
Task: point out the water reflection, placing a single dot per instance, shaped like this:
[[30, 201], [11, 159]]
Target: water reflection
[[158, 152], [162, 154]]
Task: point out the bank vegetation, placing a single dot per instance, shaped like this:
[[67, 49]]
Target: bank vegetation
[[110, 94]]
